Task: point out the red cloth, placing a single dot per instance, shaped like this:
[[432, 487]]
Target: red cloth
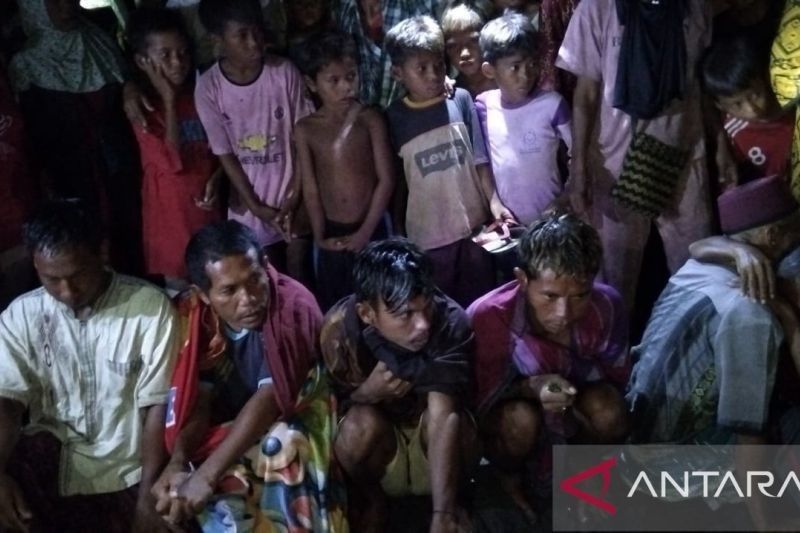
[[17, 188], [172, 178], [291, 338], [761, 148]]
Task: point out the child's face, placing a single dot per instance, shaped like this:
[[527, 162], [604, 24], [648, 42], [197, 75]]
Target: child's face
[[422, 74], [756, 103], [516, 75], [169, 52], [463, 51], [242, 44], [306, 14], [336, 83]]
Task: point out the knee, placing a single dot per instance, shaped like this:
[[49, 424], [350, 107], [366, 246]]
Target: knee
[[512, 431], [363, 431], [604, 409]]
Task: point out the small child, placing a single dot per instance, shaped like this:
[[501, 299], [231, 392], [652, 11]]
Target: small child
[[180, 174], [249, 104], [461, 24], [305, 20], [757, 132], [345, 159], [451, 190], [523, 125]]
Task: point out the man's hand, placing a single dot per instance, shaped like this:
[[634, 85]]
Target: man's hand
[[755, 271], [14, 511], [578, 190], [555, 393], [190, 498], [381, 385], [136, 104], [173, 476]]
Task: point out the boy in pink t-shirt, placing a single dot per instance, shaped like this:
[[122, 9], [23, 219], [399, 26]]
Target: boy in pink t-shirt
[[523, 126], [249, 104]]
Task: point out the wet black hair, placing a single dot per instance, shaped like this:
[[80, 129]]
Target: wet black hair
[[393, 271], [216, 241], [63, 224]]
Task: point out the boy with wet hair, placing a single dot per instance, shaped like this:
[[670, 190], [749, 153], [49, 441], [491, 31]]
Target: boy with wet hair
[[399, 354], [451, 190], [756, 132], [461, 25], [552, 352], [249, 103], [524, 126], [180, 174], [345, 163]]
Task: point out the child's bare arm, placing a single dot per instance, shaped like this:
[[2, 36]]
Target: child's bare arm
[[498, 209], [239, 180], [384, 171], [308, 184]]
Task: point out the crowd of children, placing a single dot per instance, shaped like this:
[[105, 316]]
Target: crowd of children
[[343, 122]]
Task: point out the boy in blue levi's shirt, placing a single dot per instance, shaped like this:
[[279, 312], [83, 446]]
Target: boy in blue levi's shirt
[[451, 191]]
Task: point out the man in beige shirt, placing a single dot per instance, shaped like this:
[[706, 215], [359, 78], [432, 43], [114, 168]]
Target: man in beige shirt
[[86, 359]]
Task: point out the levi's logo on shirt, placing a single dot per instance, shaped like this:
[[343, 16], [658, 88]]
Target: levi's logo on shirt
[[441, 157]]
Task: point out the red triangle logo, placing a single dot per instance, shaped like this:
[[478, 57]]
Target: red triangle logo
[[604, 469]]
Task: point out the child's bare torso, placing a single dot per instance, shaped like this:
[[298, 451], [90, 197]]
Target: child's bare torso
[[343, 161]]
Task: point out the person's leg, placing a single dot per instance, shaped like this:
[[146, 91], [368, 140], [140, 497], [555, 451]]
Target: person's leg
[[509, 432], [691, 221], [602, 414], [365, 445], [623, 240]]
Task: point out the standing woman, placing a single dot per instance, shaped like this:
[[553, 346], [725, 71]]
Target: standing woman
[[68, 77]]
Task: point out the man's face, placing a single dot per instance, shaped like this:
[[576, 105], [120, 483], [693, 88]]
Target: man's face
[[555, 302], [409, 326], [464, 51], [169, 52], [515, 75], [74, 276], [337, 83], [239, 291], [242, 44], [422, 74], [756, 103]]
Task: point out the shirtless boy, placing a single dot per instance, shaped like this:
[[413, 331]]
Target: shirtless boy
[[345, 161]]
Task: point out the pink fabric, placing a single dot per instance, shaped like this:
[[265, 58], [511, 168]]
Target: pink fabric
[[255, 122], [523, 144]]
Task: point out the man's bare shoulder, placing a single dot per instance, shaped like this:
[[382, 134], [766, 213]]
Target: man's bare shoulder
[[371, 115]]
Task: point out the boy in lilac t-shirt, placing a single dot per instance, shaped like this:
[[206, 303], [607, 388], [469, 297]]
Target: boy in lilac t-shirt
[[249, 105], [523, 126]]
